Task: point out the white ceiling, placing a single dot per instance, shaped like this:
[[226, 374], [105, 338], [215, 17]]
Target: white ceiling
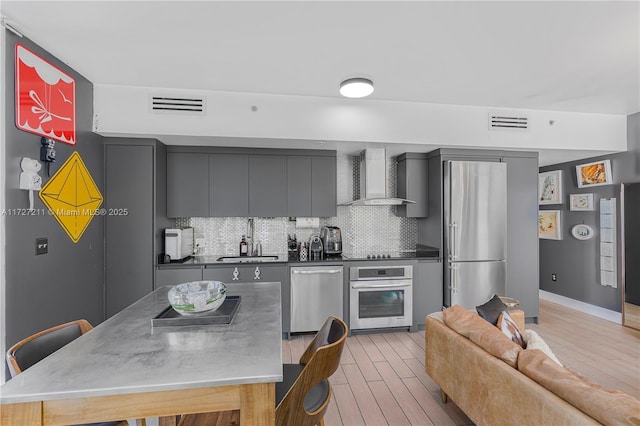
[[556, 56]]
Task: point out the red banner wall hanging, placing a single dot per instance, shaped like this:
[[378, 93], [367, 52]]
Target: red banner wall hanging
[[45, 98]]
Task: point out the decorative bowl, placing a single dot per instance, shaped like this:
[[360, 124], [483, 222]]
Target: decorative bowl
[[195, 297]]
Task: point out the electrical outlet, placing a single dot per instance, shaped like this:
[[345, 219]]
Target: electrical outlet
[[42, 245], [554, 277]]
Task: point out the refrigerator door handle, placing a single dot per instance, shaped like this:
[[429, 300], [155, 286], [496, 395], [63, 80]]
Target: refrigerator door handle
[[454, 279], [452, 241]]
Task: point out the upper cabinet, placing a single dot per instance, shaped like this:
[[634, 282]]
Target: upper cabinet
[[413, 184], [267, 185], [323, 186], [228, 185], [187, 185], [227, 182], [298, 185], [311, 186]]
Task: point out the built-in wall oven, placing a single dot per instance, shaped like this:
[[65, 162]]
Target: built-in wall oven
[[380, 296]]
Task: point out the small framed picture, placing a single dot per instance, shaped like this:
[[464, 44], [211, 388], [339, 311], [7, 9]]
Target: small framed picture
[[549, 225], [594, 174], [550, 187], [581, 202]]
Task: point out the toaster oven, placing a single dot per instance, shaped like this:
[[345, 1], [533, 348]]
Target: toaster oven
[[178, 243]]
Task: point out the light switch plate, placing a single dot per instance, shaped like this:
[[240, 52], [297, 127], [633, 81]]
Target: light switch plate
[[42, 245]]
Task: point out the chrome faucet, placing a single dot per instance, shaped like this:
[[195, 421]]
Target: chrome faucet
[[250, 230]]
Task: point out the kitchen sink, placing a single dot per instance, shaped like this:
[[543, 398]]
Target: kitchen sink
[[247, 259]]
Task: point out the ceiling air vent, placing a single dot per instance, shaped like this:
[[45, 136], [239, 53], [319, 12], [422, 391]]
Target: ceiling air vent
[[179, 105], [508, 122]]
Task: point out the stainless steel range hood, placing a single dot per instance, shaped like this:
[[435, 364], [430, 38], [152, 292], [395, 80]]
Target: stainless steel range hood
[[373, 181]]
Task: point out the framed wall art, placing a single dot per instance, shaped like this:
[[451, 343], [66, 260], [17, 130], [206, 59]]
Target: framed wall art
[[581, 202], [550, 187], [549, 225], [594, 174], [45, 98]]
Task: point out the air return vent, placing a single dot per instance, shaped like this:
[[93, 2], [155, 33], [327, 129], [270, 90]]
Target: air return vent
[[179, 105], [508, 122]]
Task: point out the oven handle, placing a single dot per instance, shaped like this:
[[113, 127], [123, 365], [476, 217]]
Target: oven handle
[[319, 271], [362, 285]]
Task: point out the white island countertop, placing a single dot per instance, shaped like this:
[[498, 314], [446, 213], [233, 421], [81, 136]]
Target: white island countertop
[[125, 355]]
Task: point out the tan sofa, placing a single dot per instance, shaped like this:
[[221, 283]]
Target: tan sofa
[[492, 392]]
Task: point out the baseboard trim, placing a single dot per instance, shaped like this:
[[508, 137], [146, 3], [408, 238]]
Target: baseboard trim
[[587, 308]]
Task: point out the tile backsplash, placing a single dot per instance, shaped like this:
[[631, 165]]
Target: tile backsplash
[[364, 229]]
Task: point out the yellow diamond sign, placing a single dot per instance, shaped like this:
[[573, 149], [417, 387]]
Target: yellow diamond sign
[[72, 197]]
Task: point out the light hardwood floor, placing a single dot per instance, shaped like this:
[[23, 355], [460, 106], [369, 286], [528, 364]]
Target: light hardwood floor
[[381, 379]]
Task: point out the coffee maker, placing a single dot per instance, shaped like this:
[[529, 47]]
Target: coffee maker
[[331, 240], [315, 248]]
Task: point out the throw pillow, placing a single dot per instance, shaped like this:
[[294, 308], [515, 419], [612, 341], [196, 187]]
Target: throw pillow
[[534, 341], [510, 329], [491, 309]]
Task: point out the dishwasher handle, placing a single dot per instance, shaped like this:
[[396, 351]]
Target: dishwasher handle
[[320, 271]]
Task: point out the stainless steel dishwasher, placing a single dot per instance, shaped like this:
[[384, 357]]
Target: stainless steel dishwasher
[[316, 293]]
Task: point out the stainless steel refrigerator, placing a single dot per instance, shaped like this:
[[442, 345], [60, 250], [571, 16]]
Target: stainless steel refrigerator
[[475, 228]]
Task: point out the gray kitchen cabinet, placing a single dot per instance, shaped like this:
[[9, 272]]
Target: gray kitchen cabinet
[[229, 185], [173, 276], [413, 184], [135, 180], [187, 184], [311, 186], [244, 273], [256, 272], [241, 182], [522, 236], [323, 187], [428, 294], [299, 186], [267, 185]]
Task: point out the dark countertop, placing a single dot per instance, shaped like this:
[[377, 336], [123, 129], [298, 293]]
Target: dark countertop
[[422, 252]]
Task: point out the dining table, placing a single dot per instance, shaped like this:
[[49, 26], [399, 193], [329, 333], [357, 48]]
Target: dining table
[[126, 368]]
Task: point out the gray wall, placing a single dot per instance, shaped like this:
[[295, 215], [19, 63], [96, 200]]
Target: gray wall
[[68, 282], [577, 263]]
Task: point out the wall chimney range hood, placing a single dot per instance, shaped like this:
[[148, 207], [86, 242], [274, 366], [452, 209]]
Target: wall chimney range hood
[[372, 181]]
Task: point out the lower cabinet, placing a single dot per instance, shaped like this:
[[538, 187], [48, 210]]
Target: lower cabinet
[[245, 273], [255, 273], [427, 291], [173, 276]]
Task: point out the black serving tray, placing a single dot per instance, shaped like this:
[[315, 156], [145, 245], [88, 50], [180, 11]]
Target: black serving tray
[[223, 315]]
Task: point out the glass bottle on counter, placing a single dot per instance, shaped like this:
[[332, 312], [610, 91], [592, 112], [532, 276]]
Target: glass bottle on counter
[[244, 247], [303, 252]]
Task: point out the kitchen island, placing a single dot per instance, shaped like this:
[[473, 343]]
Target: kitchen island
[[125, 368]]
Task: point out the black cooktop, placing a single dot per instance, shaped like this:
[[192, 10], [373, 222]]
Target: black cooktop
[[391, 255]]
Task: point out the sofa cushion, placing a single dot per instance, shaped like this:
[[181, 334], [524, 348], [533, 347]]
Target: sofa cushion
[[492, 340], [534, 341], [507, 325], [609, 407], [491, 309], [461, 320], [482, 333]]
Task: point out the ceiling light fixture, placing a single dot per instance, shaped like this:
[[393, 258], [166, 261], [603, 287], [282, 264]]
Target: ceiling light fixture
[[356, 87]]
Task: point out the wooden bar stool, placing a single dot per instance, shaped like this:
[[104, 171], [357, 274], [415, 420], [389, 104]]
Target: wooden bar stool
[[303, 396], [33, 349]]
